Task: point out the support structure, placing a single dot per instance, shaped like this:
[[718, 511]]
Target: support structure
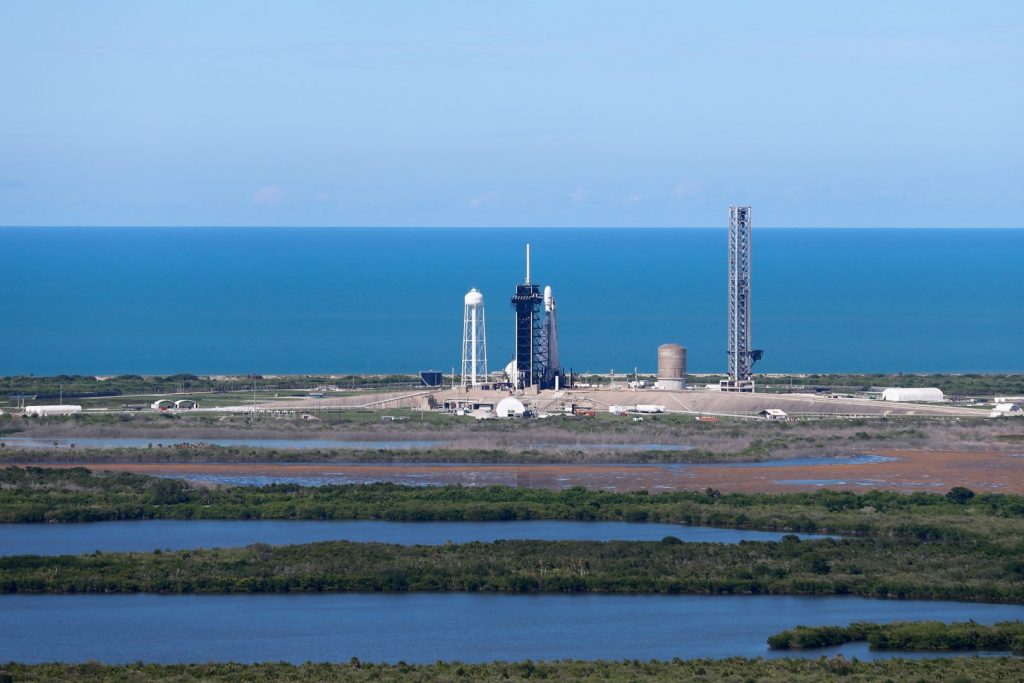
[[741, 356], [474, 341]]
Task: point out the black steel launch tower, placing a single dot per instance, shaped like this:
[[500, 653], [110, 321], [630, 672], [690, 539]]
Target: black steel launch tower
[[534, 337]]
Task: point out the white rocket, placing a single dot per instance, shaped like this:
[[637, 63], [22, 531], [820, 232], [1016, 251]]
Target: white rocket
[[551, 321]]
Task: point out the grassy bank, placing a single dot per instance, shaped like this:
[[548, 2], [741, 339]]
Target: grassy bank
[[708, 671], [1007, 636]]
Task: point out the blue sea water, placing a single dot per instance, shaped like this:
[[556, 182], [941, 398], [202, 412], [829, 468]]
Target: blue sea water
[[234, 300]]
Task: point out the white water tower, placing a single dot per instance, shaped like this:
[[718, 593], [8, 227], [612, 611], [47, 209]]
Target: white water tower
[[474, 341]]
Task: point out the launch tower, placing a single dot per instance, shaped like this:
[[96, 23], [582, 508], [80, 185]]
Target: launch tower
[[741, 356], [536, 361]]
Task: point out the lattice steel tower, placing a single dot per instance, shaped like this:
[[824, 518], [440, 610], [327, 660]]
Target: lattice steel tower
[[741, 356], [474, 341]]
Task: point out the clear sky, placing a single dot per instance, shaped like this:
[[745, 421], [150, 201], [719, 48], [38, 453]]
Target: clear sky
[[572, 113]]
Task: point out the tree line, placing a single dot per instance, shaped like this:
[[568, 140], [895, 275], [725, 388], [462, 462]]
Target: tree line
[[867, 567], [969, 636]]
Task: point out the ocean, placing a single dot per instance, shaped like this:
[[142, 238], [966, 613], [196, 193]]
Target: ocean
[[353, 300]]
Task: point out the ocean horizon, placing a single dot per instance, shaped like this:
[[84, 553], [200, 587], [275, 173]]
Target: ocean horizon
[[236, 300]]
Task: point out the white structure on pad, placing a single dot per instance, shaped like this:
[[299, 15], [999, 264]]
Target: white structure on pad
[[474, 341], [510, 407], [46, 411], [920, 395]]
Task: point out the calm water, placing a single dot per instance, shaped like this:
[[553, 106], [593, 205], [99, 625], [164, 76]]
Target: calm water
[[617, 476], [426, 627], [110, 301], [137, 442], [111, 442], [147, 535], [801, 462]]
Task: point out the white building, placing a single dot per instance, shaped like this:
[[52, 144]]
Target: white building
[[510, 407], [919, 395]]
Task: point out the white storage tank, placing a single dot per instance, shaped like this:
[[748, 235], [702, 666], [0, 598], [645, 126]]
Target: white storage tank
[[920, 395], [671, 367], [642, 408], [49, 411]]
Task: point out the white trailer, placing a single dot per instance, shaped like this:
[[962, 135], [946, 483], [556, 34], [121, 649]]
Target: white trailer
[[649, 408]]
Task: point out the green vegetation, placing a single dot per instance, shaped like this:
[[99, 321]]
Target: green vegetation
[[34, 494], [704, 670], [1007, 636], [875, 568], [894, 551]]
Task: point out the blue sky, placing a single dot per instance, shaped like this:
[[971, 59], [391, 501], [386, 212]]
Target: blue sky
[[483, 113]]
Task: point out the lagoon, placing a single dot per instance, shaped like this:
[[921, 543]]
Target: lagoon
[[426, 627], [149, 535]]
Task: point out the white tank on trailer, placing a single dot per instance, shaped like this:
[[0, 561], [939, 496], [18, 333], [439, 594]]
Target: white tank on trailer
[[49, 411]]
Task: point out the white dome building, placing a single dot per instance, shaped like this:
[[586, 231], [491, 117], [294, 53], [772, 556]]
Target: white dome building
[[510, 407]]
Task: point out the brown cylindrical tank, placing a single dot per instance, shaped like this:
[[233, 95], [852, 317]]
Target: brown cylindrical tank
[[671, 366]]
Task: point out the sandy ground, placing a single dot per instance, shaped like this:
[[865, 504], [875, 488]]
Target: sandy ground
[[907, 471], [689, 401]]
